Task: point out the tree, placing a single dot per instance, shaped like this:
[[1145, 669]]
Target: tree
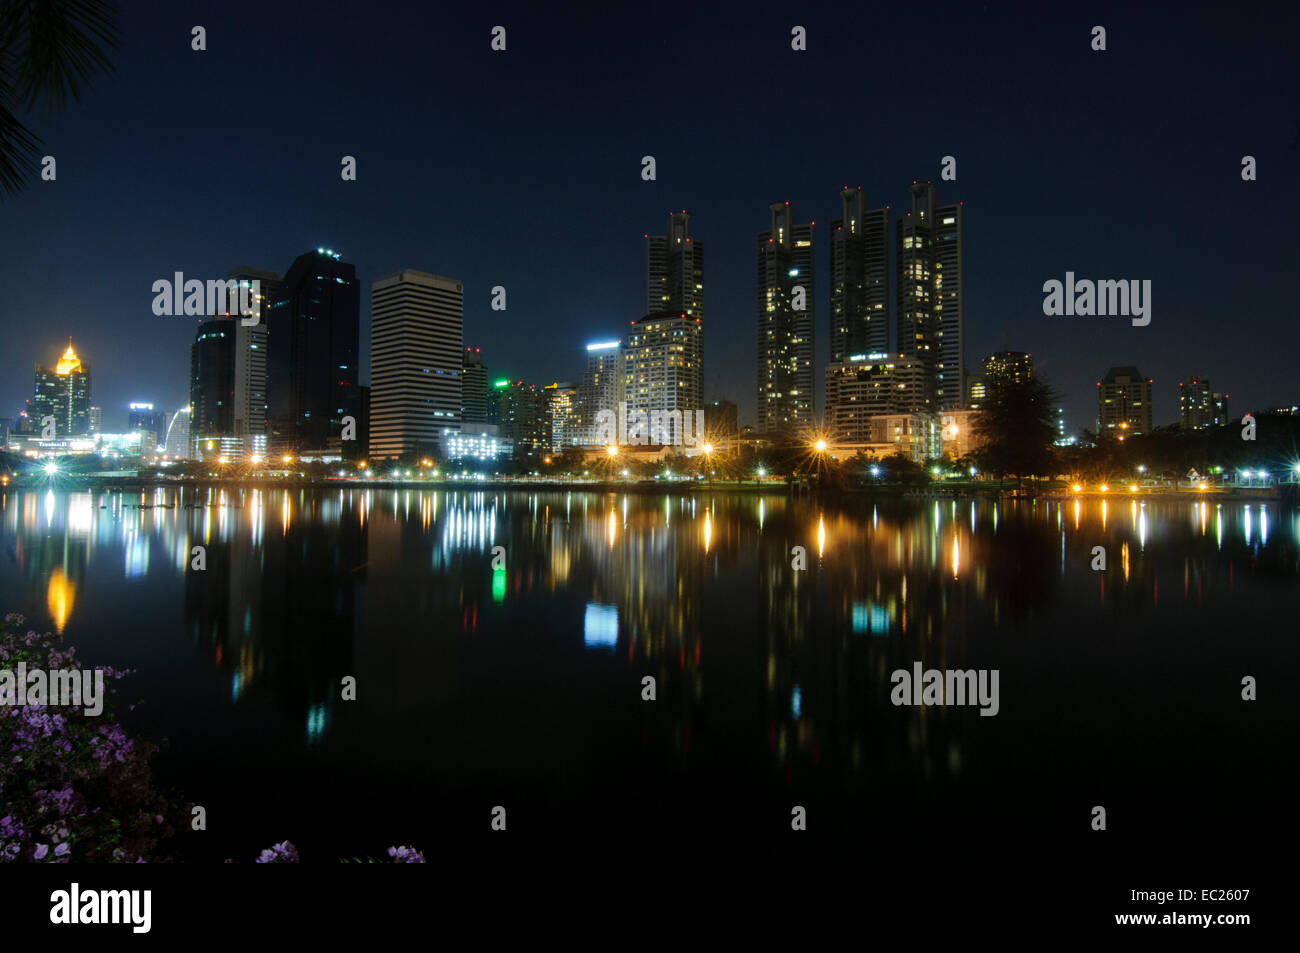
[[1016, 428], [49, 51]]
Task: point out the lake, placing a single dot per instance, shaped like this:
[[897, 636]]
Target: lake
[[521, 685]]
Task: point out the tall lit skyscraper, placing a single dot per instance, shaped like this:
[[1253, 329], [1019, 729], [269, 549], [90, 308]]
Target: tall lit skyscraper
[[63, 392], [562, 401], [1123, 403], [859, 278], [249, 418], [601, 387], [785, 331], [931, 310], [416, 359], [674, 270], [313, 343], [661, 364]]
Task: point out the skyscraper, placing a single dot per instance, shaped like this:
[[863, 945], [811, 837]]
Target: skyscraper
[[674, 270], [313, 342], [524, 418], [931, 310], [473, 388], [562, 401], [1198, 405], [601, 387], [786, 318], [661, 365], [63, 392], [249, 418], [859, 278], [212, 379], [1123, 403], [416, 358]]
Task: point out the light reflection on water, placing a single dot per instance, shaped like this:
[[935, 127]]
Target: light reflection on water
[[401, 589]]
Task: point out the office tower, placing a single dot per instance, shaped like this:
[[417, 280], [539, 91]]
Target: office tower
[[176, 439], [416, 356], [931, 313], [661, 365], [562, 402], [212, 379], [674, 270], [601, 387], [312, 341], [786, 318], [868, 385], [523, 418], [721, 418], [153, 423], [1123, 403], [859, 278], [1199, 406], [62, 392], [1003, 368], [96, 419], [473, 388], [249, 419]]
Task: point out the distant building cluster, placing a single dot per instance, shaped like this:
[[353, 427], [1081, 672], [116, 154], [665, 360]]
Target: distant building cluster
[[286, 388]]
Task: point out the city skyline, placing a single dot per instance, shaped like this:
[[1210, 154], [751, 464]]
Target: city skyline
[[1017, 235]]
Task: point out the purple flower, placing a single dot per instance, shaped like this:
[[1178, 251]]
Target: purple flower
[[62, 850], [405, 855], [39, 852]]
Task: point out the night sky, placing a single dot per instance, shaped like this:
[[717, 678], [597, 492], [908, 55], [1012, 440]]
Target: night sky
[[523, 169]]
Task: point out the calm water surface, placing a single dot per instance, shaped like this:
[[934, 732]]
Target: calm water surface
[[521, 686]]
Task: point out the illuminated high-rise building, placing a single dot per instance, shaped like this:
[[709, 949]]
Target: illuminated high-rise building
[[249, 417], [786, 318], [859, 278], [601, 387], [1123, 403], [1199, 407], [416, 359], [674, 270], [63, 393], [661, 364], [931, 302], [1005, 367]]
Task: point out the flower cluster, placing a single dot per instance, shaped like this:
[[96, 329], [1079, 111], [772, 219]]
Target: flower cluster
[[72, 788]]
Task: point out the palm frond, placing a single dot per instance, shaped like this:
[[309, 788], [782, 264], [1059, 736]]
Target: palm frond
[[57, 47]]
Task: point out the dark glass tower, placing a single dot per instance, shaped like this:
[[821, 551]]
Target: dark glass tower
[[212, 379], [859, 278], [313, 337]]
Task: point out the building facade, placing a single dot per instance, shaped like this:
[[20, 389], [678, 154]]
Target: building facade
[[661, 364], [63, 393], [1123, 403], [313, 341], [786, 318], [859, 278], [931, 308], [1199, 406], [867, 385], [416, 360]]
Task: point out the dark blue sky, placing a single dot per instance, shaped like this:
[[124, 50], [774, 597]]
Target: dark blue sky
[[523, 169]]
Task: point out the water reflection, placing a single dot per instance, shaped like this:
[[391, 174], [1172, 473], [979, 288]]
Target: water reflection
[[408, 592]]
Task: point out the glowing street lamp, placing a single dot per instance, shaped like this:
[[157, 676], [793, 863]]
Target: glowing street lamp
[[612, 450]]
